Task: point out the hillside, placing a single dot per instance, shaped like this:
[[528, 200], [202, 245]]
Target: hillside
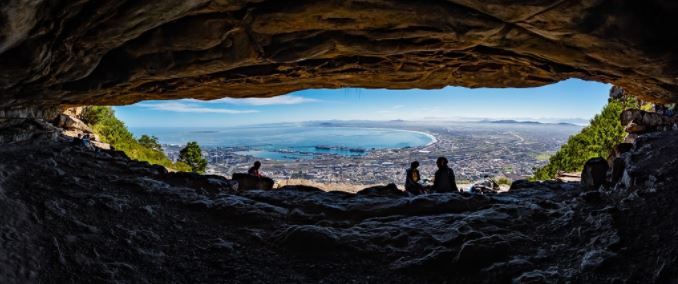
[[596, 140], [111, 130]]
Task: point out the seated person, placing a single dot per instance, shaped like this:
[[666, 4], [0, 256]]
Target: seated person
[[86, 142], [254, 170], [444, 180], [412, 180]]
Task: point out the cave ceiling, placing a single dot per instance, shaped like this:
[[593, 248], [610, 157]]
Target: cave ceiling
[[117, 52]]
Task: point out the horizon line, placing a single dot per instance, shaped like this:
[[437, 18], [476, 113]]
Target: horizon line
[[460, 119]]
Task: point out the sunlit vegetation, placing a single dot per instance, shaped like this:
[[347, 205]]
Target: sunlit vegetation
[[192, 156], [150, 142], [111, 130], [502, 180], [596, 140]]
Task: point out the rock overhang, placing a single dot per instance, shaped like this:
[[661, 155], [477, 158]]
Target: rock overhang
[[121, 52]]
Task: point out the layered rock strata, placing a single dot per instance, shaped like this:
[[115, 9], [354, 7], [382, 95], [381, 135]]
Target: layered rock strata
[[123, 51]]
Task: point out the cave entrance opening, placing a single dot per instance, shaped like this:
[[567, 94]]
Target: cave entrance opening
[[351, 138]]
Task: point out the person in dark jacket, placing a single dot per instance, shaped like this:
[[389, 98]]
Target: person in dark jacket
[[412, 184], [254, 170], [444, 180]]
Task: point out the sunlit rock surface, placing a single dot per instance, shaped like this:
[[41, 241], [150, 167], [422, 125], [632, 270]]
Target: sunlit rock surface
[[76, 215], [122, 51]]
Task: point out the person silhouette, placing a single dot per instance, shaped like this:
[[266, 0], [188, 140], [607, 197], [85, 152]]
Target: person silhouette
[[444, 180], [412, 179], [87, 142], [254, 170]]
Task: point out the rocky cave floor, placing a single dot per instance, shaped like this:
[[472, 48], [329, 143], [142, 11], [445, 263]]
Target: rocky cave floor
[[70, 215]]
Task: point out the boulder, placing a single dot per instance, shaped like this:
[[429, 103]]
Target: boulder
[[617, 170], [617, 151], [637, 121], [250, 182], [387, 190], [72, 123], [211, 183], [301, 188], [568, 177], [73, 111], [485, 186], [521, 184], [594, 173]]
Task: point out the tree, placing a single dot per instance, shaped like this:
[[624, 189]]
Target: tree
[[192, 155], [596, 140], [150, 142]]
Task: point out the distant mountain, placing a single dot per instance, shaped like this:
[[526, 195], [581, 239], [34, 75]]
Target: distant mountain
[[514, 121], [510, 121], [380, 123]]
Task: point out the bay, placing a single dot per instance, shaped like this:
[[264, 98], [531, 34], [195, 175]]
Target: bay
[[290, 141]]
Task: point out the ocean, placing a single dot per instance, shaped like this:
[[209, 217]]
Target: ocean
[[292, 141]]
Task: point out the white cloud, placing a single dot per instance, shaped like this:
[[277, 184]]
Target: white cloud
[[184, 107], [279, 100]]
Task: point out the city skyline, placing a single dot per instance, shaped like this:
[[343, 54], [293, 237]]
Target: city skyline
[[573, 101]]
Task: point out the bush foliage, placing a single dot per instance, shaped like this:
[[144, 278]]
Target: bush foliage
[[150, 142], [596, 140], [111, 130], [192, 156]]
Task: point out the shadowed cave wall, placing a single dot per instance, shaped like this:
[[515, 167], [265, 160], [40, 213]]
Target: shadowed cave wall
[[119, 52]]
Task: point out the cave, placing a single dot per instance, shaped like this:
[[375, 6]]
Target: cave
[[76, 216]]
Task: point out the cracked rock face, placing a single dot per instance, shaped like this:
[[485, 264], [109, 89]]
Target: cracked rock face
[[73, 215], [120, 52]]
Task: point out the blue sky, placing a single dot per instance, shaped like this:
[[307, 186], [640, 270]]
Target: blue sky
[[567, 100]]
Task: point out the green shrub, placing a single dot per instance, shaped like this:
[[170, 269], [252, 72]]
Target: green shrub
[[192, 156], [150, 142], [502, 180], [596, 140], [111, 130]]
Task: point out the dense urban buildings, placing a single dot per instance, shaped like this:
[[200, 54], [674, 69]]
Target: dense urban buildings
[[475, 150]]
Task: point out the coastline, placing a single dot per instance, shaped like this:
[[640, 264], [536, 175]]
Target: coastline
[[421, 144], [434, 140]]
